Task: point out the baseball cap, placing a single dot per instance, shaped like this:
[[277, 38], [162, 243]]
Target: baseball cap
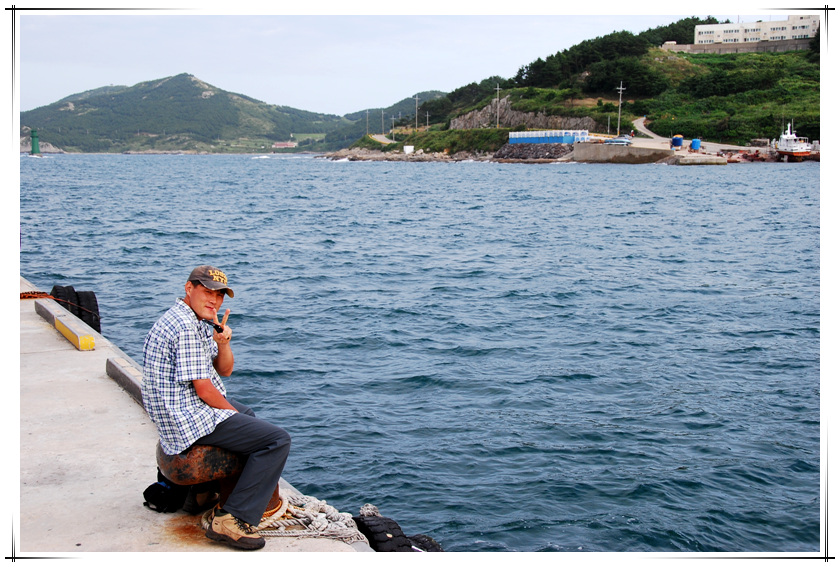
[[211, 278]]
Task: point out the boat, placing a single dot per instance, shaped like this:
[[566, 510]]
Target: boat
[[789, 145]]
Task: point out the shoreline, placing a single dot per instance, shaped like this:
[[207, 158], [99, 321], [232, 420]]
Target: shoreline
[[642, 151], [730, 153]]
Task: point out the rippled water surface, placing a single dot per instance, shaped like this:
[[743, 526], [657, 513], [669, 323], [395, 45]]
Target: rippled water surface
[[504, 357]]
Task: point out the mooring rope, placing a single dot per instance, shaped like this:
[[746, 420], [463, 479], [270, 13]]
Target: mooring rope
[[304, 516], [35, 295], [45, 295]]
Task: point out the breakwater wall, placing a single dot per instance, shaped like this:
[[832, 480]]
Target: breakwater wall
[[605, 153]]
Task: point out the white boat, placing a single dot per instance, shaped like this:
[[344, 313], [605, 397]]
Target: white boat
[[791, 145]]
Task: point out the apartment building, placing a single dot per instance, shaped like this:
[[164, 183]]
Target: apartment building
[[795, 27]]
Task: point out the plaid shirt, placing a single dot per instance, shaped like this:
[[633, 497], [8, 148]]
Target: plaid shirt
[[179, 349]]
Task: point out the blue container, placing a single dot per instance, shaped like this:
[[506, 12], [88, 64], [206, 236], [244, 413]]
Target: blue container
[[548, 137], [695, 144], [677, 141]]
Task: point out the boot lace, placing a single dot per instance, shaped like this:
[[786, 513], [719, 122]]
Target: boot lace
[[245, 526]]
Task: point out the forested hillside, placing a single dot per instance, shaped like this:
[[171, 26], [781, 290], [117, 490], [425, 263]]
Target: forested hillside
[[728, 98]]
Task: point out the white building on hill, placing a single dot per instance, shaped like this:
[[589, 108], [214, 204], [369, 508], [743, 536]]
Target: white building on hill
[[795, 27]]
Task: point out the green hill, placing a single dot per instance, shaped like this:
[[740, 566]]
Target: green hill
[[183, 113], [179, 113]]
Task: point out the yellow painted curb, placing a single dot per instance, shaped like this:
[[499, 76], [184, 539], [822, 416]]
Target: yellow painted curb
[[79, 340], [73, 328]]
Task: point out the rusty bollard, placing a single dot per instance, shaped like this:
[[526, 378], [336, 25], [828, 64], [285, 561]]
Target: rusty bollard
[[204, 463]]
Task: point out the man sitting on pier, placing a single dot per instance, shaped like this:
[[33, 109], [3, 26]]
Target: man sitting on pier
[[185, 353]]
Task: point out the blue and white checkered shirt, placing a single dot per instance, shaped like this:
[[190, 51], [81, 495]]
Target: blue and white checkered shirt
[[179, 349]]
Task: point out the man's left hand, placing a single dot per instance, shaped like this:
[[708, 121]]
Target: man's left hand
[[223, 336]]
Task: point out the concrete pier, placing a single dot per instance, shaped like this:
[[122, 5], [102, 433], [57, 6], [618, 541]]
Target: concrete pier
[[87, 452], [605, 153]]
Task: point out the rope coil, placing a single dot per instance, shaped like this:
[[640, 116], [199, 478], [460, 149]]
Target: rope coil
[[304, 516]]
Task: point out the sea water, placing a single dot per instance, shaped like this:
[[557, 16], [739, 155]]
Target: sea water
[[504, 357]]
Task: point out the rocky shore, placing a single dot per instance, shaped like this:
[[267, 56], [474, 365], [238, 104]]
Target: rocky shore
[[45, 147], [534, 153], [364, 154], [509, 153]]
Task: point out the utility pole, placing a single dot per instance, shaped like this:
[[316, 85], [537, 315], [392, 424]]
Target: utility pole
[[367, 122], [427, 120], [383, 122], [620, 91], [498, 90], [416, 110]]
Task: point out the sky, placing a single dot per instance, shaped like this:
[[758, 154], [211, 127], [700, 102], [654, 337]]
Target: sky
[[333, 64]]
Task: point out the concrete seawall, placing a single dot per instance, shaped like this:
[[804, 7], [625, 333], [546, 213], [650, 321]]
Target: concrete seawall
[[87, 450], [608, 153]]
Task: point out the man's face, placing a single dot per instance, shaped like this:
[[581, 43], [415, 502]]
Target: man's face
[[205, 302]]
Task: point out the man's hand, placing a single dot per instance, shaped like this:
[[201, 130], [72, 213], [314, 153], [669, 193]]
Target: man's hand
[[226, 333], [223, 363]]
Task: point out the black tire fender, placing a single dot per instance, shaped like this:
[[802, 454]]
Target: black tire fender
[[66, 297], [383, 534], [425, 543], [89, 309]]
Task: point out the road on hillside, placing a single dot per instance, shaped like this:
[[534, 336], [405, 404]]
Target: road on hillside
[[660, 141], [382, 139], [639, 125]]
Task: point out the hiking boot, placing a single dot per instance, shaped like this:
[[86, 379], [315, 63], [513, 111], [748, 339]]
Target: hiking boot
[[227, 528]]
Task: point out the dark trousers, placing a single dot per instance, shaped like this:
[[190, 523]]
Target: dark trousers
[[266, 447]]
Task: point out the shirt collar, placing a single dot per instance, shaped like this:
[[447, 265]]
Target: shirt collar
[[199, 323], [186, 308]]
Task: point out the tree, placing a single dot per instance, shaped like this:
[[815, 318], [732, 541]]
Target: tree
[[681, 31], [639, 79], [814, 48], [560, 69]]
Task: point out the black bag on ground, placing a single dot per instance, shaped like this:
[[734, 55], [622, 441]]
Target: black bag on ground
[[165, 495]]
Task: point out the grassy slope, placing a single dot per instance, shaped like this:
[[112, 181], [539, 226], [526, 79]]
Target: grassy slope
[[749, 95]]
